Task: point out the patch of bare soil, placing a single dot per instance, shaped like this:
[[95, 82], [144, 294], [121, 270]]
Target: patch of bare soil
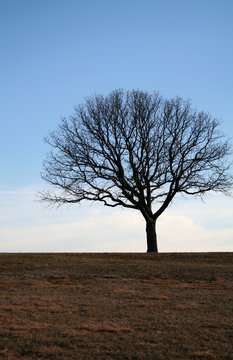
[[116, 306]]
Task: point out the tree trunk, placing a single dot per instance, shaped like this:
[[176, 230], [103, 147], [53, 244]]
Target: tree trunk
[[151, 236]]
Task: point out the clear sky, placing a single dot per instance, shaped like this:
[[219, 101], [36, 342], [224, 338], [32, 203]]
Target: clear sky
[[54, 53]]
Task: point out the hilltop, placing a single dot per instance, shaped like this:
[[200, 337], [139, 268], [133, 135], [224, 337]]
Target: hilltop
[[116, 306]]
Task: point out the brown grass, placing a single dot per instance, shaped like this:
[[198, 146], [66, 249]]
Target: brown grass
[[116, 306], [205, 354], [105, 328]]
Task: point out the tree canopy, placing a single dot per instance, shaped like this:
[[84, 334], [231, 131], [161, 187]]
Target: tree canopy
[[136, 150]]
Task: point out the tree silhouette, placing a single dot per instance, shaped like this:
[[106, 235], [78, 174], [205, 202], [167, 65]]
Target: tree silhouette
[[136, 150]]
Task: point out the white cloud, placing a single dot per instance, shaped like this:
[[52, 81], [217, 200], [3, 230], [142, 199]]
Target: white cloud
[[95, 231], [194, 225], [27, 226], [187, 226], [182, 233]]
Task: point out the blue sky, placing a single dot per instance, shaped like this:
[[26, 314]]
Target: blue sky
[[54, 53]]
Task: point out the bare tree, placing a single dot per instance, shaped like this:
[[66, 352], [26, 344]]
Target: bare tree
[[137, 151]]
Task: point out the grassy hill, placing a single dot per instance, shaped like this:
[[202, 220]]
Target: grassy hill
[[116, 306]]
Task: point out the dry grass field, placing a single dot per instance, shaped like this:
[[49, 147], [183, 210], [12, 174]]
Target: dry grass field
[[116, 306]]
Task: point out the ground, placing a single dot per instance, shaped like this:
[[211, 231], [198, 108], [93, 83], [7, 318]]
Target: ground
[[116, 306]]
